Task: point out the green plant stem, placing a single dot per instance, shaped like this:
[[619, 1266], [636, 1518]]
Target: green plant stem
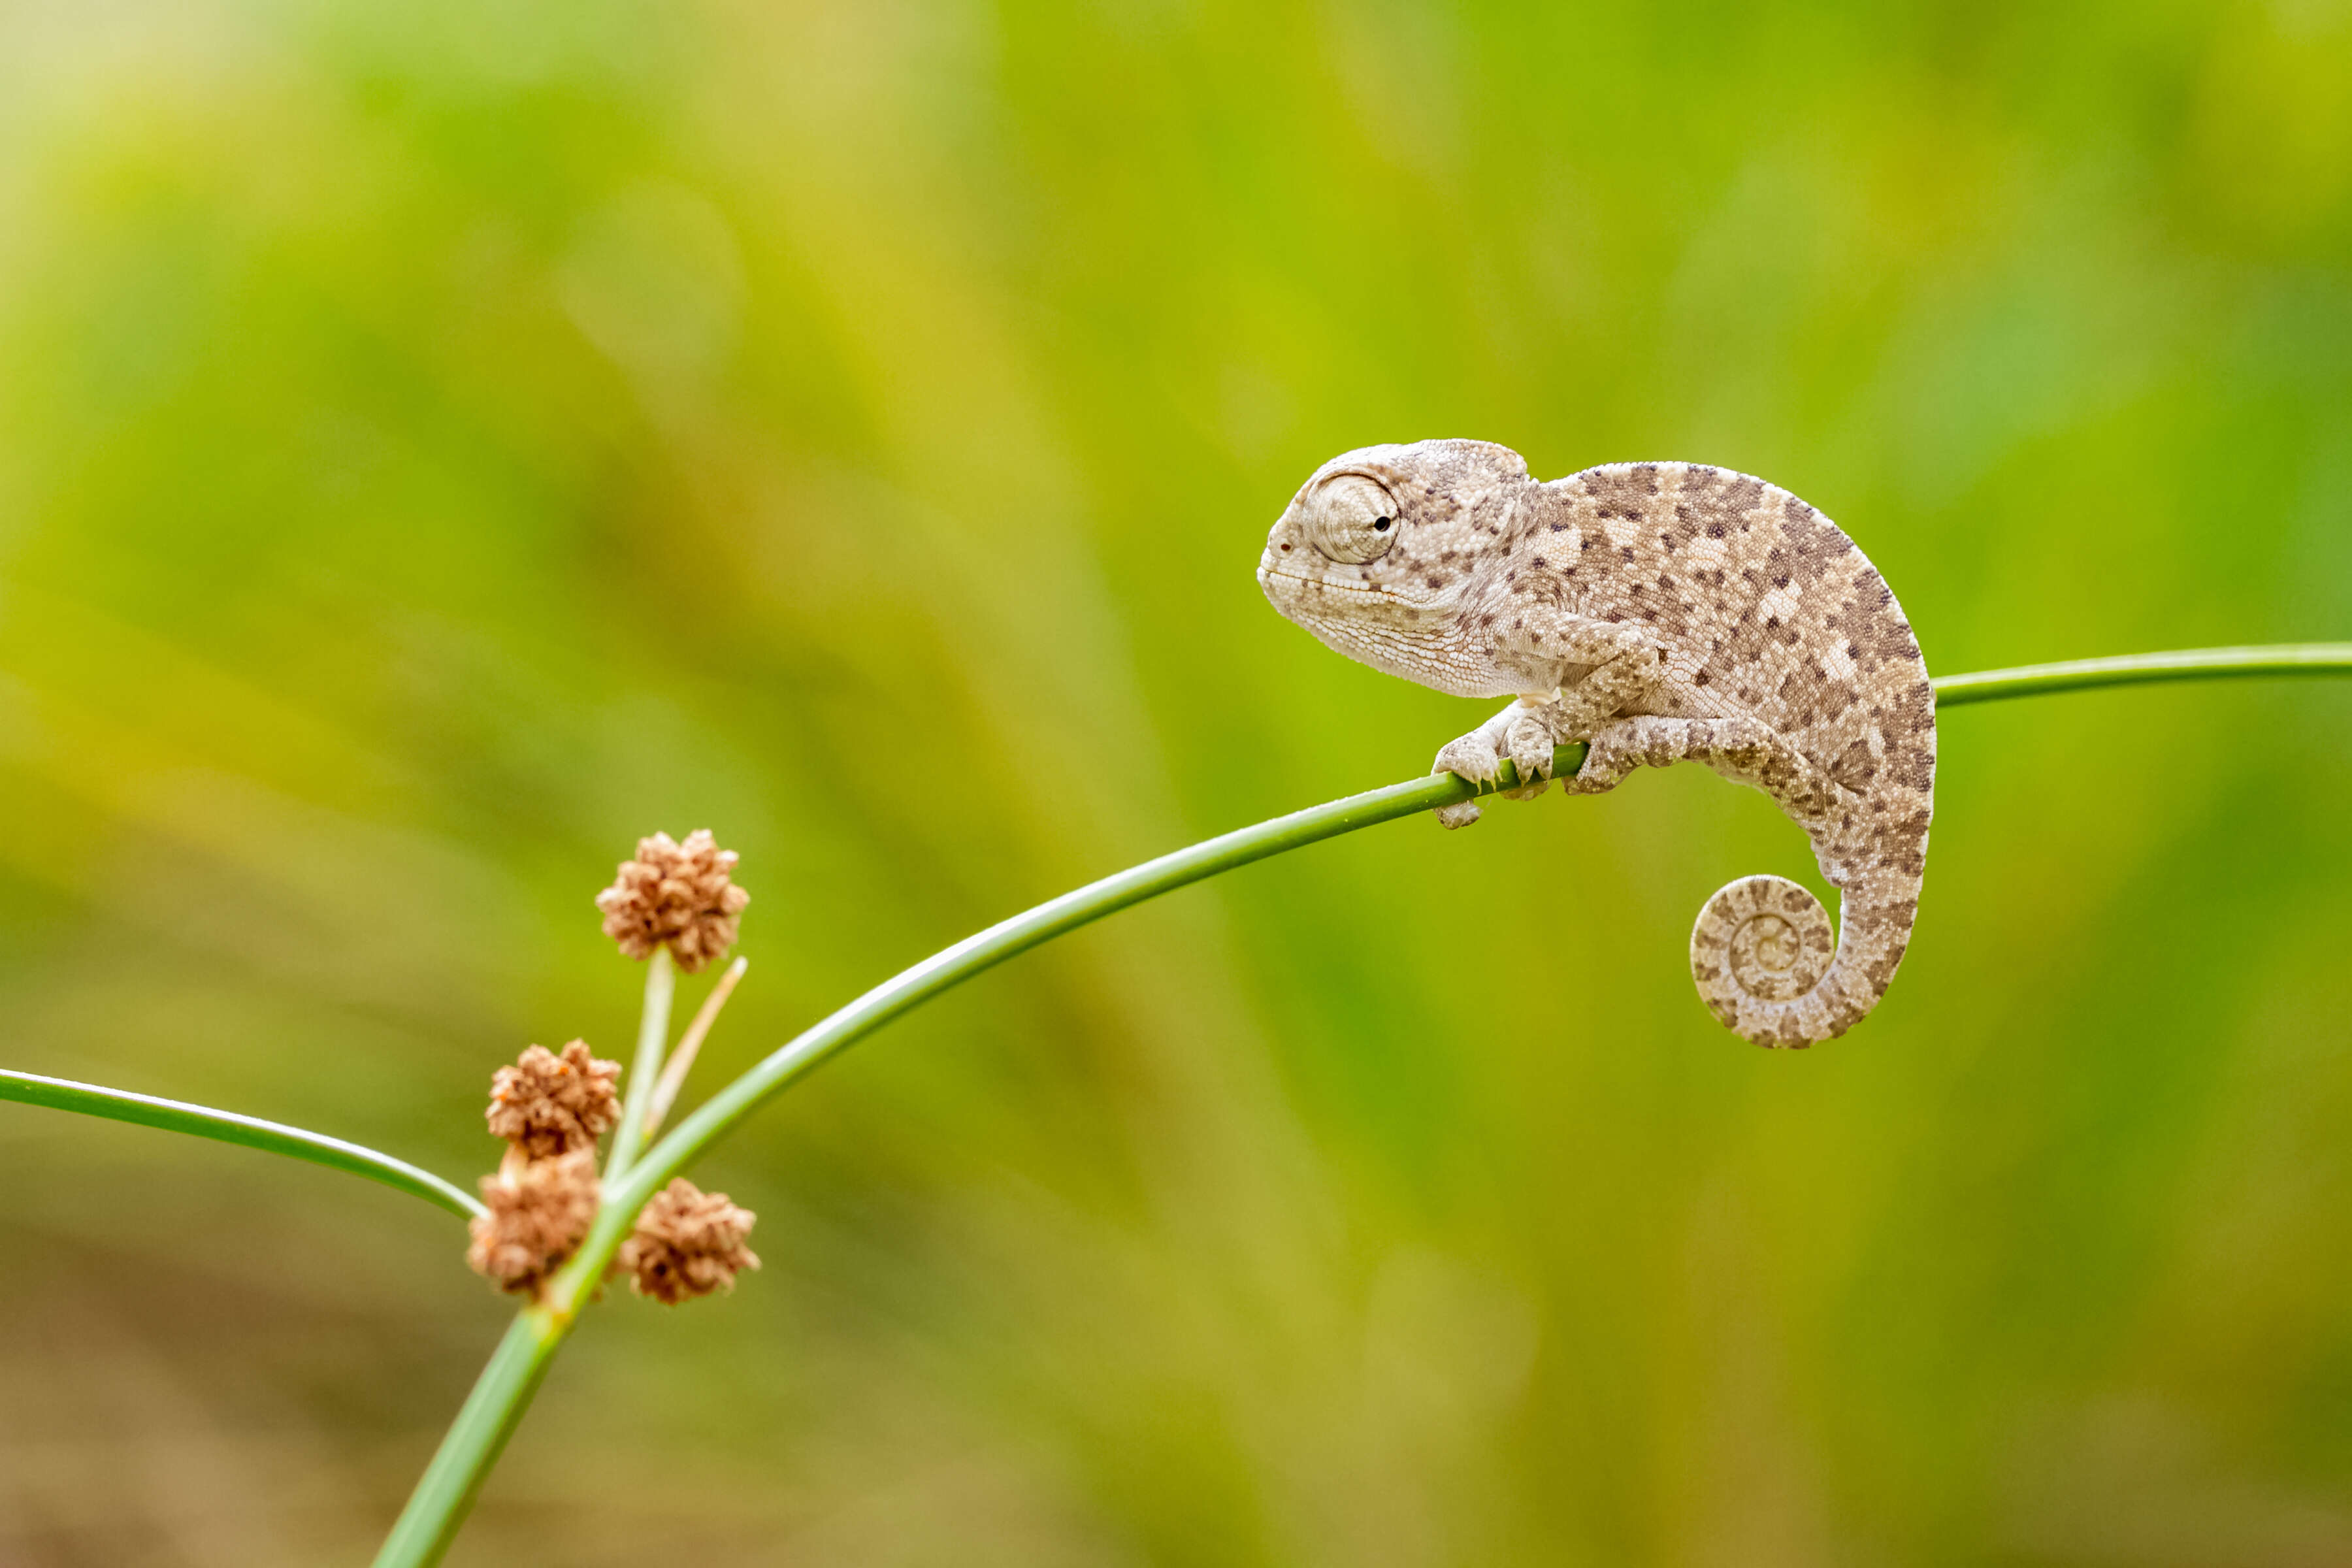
[[473, 1443], [228, 1127], [2143, 668], [912, 987], [492, 1412], [909, 989], [645, 1072], [445, 1493]]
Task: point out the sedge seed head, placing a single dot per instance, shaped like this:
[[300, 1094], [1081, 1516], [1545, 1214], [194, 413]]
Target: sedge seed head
[[539, 1212], [681, 894], [550, 1104], [687, 1243]]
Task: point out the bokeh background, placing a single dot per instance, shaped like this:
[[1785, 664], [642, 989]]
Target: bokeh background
[[441, 442]]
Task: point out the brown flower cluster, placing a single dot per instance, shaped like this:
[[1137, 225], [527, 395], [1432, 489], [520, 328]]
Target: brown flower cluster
[[687, 1243], [539, 1210], [547, 1104], [550, 1108], [681, 894]]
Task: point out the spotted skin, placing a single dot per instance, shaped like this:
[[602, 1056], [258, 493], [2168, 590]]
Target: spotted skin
[[1663, 612]]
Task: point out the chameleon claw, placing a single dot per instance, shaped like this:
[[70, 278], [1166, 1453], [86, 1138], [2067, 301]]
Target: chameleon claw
[[1529, 744], [1473, 757], [1462, 814]]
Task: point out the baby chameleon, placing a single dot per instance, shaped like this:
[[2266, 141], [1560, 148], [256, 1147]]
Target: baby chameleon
[[1662, 611]]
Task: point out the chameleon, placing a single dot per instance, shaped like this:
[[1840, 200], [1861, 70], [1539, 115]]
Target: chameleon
[[1661, 613]]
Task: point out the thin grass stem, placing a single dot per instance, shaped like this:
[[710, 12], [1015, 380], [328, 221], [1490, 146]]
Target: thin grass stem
[[645, 1072], [473, 1443], [2144, 669], [246, 1131]]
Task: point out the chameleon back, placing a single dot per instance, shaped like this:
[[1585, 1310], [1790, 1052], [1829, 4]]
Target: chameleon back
[[1770, 612]]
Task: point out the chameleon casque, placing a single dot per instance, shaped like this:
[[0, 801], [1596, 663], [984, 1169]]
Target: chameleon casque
[[1662, 611]]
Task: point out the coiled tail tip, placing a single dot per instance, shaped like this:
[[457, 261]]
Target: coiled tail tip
[[1759, 951]]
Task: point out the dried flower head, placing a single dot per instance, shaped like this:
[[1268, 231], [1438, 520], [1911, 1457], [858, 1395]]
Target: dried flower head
[[547, 1104], [539, 1211], [675, 893], [687, 1243]]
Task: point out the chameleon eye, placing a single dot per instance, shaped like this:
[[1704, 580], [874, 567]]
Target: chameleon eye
[[1351, 518]]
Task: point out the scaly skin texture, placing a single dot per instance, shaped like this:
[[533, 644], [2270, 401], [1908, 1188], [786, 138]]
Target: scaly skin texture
[[1662, 611]]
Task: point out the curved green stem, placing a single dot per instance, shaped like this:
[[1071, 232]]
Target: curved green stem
[[909, 989], [2143, 668], [472, 1444], [228, 1127]]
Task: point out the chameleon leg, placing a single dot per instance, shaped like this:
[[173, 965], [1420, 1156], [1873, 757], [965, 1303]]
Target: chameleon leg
[[1516, 732], [1745, 751], [1615, 665]]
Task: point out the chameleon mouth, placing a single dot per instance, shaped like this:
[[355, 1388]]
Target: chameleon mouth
[[1372, 589]]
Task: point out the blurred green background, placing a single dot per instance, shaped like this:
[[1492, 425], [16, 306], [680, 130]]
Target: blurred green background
[[439, 443]]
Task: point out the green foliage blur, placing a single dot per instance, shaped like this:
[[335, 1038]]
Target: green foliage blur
[[439, 443]]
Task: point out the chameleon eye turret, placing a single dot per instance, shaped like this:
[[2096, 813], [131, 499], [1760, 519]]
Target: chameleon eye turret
[[1661, 612], [1351, 518]]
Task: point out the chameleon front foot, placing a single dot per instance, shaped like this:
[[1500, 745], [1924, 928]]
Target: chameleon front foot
[[1528, 743], [1478, 756], [1474, 757]]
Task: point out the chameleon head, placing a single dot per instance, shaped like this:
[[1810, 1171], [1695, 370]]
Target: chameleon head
[[1383, 540]]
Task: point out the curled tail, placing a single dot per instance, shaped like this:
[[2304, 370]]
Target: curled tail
[[1767, 966]]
